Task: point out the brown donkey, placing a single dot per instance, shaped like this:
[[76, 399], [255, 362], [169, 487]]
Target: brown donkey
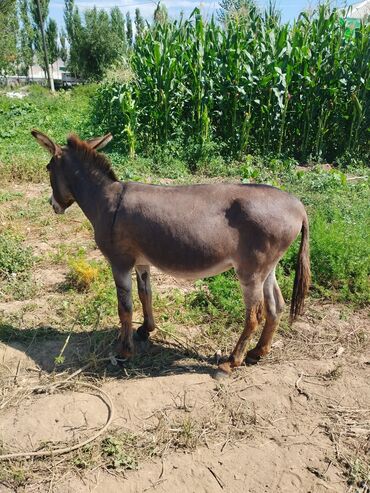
[[188, 231]]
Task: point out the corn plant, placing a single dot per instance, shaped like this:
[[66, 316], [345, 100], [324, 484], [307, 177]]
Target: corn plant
[[254, 84]]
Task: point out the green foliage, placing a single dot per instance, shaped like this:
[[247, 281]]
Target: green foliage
[[129, 31], [339, 231], [114, 449], [73, 23], [97, 41], [20, 156], [63, 52], [44, 8], [39, 24], [139, 22], [254, 86], [27, 36], [219, 297], [118, 27], [14, 257], [8, 38], [52, 41]]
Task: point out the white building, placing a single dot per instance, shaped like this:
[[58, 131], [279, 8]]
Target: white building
[[36, 72]]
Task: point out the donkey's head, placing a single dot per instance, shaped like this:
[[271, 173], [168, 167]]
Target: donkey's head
[[62, 196]]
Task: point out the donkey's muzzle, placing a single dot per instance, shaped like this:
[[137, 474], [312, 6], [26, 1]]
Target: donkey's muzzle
[[57, 208]]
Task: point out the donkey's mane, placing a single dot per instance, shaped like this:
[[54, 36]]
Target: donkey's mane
[[92, 160]]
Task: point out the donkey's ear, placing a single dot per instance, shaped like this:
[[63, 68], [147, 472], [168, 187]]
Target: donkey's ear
[[99, 142], [46, 142]]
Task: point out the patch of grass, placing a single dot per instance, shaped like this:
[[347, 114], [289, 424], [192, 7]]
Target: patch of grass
[[219, 297], [339, 232], [186, 434], [119, 451], [19, 287], [101, 306], [13, 476], [358, 474], [16, 262], [7, 196], [65, 251], [100, 302], [21, 158], [14, 257]]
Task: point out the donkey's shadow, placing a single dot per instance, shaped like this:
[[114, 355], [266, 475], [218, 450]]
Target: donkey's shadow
[[56, 351]]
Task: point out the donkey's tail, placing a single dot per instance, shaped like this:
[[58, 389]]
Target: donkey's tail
[[302, 273]]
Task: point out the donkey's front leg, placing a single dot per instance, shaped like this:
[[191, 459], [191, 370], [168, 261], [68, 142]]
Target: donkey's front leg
[[122, 278], [145, 295]]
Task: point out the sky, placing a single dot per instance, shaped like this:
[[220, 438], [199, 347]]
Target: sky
[[289, 8]]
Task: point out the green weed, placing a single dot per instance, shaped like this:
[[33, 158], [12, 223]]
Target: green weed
[[7, 196], [118, 451], [81, 275], [14, 257]]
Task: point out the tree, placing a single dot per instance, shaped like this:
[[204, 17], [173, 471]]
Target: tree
[[139, 22], [63, 52], [6, 7], [73, 23], [118, 25], [160, 14], [52, 41], [40, 11], [99, 46], [236, 8], [8, 37], [26, 37], [129, 32], [44, 8]]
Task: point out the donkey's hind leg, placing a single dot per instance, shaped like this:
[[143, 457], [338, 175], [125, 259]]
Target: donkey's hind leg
[[274, 304], [145, 295], [253, 298], [122, 277]]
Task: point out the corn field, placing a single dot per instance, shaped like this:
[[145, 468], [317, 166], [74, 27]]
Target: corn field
[[254, 85]]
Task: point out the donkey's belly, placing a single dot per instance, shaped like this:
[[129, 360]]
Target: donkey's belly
[[189, 272]]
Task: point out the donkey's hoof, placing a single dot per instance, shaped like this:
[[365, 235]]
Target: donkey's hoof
[[123, 352], [220, 375], [252, 360], [142, 334], [141, 346], [223, 371]]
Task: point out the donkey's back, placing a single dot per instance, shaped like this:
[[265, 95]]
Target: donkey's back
[[199, 230]]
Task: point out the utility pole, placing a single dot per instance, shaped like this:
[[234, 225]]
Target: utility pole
[[50, 79]]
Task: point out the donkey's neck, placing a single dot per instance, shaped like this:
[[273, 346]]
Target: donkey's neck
[[94, 191]]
